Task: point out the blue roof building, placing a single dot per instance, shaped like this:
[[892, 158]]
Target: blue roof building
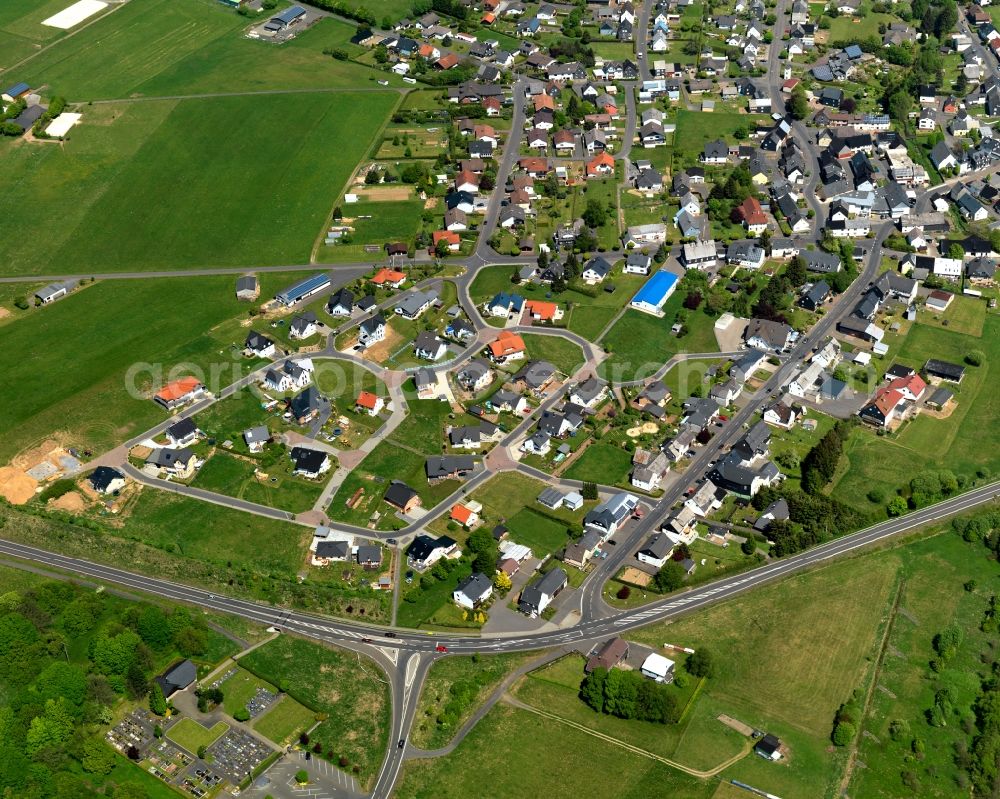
[[302, 289], [654, 293], [16, 91]]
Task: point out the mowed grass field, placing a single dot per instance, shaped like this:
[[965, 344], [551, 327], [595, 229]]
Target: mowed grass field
[[154, 48], [606, 464], [108, 336], [192, 735], [227, 181], [565, 355], [640, 344], [964, 442], [284, 720]]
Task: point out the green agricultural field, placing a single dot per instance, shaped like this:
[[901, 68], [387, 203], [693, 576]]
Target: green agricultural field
[[567, 766], [139, 40], [156, 48], [965, 442], [191, 735], [21, 31], [134, 337], [437, 718], [284, 720], [566, 356], [640, 343], [353, 694], [601, 463], [236, 64], [164, 184]]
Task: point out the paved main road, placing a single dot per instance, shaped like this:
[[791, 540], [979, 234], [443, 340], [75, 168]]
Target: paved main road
[[344, 632]]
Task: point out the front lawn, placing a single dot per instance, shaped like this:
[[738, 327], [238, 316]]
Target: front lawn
[[566, 356]]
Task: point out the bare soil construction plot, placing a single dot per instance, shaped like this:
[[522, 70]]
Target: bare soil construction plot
[[386, 194], [15, 486]]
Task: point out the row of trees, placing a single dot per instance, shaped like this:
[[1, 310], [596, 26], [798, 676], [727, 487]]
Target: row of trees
[[820, 463]]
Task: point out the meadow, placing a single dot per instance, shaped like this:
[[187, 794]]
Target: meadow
[[96, 336], [432, 728], [695, 129], [171, 184], [555, 687], [784, 663], [235, 477], [787, 656], [933, 598], [352, 696], [518, 753], [181, 525]]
